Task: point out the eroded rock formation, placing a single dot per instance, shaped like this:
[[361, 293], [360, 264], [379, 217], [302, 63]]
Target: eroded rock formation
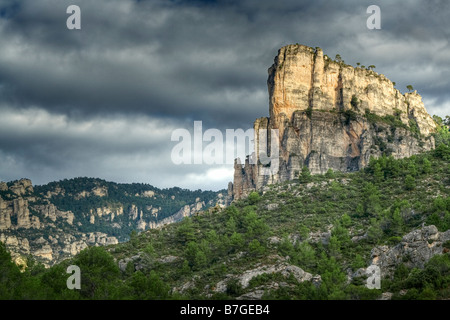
[[330, 115], [32, 222]]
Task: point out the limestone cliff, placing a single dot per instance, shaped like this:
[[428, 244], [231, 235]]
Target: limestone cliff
[[58, 220], [30, 225], [330, 115]]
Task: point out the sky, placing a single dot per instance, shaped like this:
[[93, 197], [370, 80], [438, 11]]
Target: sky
[[104, 101]]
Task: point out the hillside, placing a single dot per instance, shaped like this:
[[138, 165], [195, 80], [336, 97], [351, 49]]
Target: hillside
[[55, 221], [310, 238]]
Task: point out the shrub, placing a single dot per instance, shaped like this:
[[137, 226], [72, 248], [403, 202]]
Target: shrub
[[305, 175], [410, 182], [254, 197], [309, 112], [234, 288], [349, 115], [354, 102], [330, 174]]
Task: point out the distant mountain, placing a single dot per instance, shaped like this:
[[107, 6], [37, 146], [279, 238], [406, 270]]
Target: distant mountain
[[55, 221]]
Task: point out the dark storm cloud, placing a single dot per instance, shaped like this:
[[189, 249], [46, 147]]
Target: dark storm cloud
[[174, 65], [177, 59], [102, 101]]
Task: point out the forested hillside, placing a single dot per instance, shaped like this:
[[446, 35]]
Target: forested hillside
[[55, 221], [311, 238]]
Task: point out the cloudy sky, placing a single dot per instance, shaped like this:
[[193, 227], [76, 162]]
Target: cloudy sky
[[103, 101]]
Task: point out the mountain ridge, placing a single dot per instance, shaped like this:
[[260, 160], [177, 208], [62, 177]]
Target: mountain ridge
[[57, 220]]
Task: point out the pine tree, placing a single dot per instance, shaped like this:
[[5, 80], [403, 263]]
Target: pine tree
[[426, 166], [254, 197], [378, 172], [305, 175], [410, 182], [397, 222], [330, 174]]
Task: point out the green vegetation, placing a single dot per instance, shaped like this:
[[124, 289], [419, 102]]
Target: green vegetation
[[414, 128], [394, 122], [442, 136], [430, 283], [391, 120], [349, 116], [305, 175], [354, 102], [309, 112], [378, 205]]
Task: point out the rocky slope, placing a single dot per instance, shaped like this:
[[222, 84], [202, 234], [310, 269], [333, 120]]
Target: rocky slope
[[309, 239], [330, 115], [56, 221], [414, 250], [312, 240]]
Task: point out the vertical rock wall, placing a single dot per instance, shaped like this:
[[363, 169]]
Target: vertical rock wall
[[332, 116]]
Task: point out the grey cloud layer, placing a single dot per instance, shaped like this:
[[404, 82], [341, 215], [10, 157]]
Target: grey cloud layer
[[173, 62]]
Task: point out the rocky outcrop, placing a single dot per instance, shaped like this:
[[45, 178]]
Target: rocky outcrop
[[106, 211], [32, 221], [302, 77], [16, 209], [51, 249], [3, 186], [330, 115], [100, 238], [5, 215], [186, 211], [100, 191], [46, 252], [21, 187], [415, 249], [21, 211], [24, 220], [285, 269], [51, 212]]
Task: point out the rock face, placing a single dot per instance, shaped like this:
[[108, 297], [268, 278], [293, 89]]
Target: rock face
[[330, 115], [186, 211], [25, 221], [32, 221], [22, 187], [418, 246], [284, 268]]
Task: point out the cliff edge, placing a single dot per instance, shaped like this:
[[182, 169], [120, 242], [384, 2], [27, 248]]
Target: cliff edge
[[331, 115]]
